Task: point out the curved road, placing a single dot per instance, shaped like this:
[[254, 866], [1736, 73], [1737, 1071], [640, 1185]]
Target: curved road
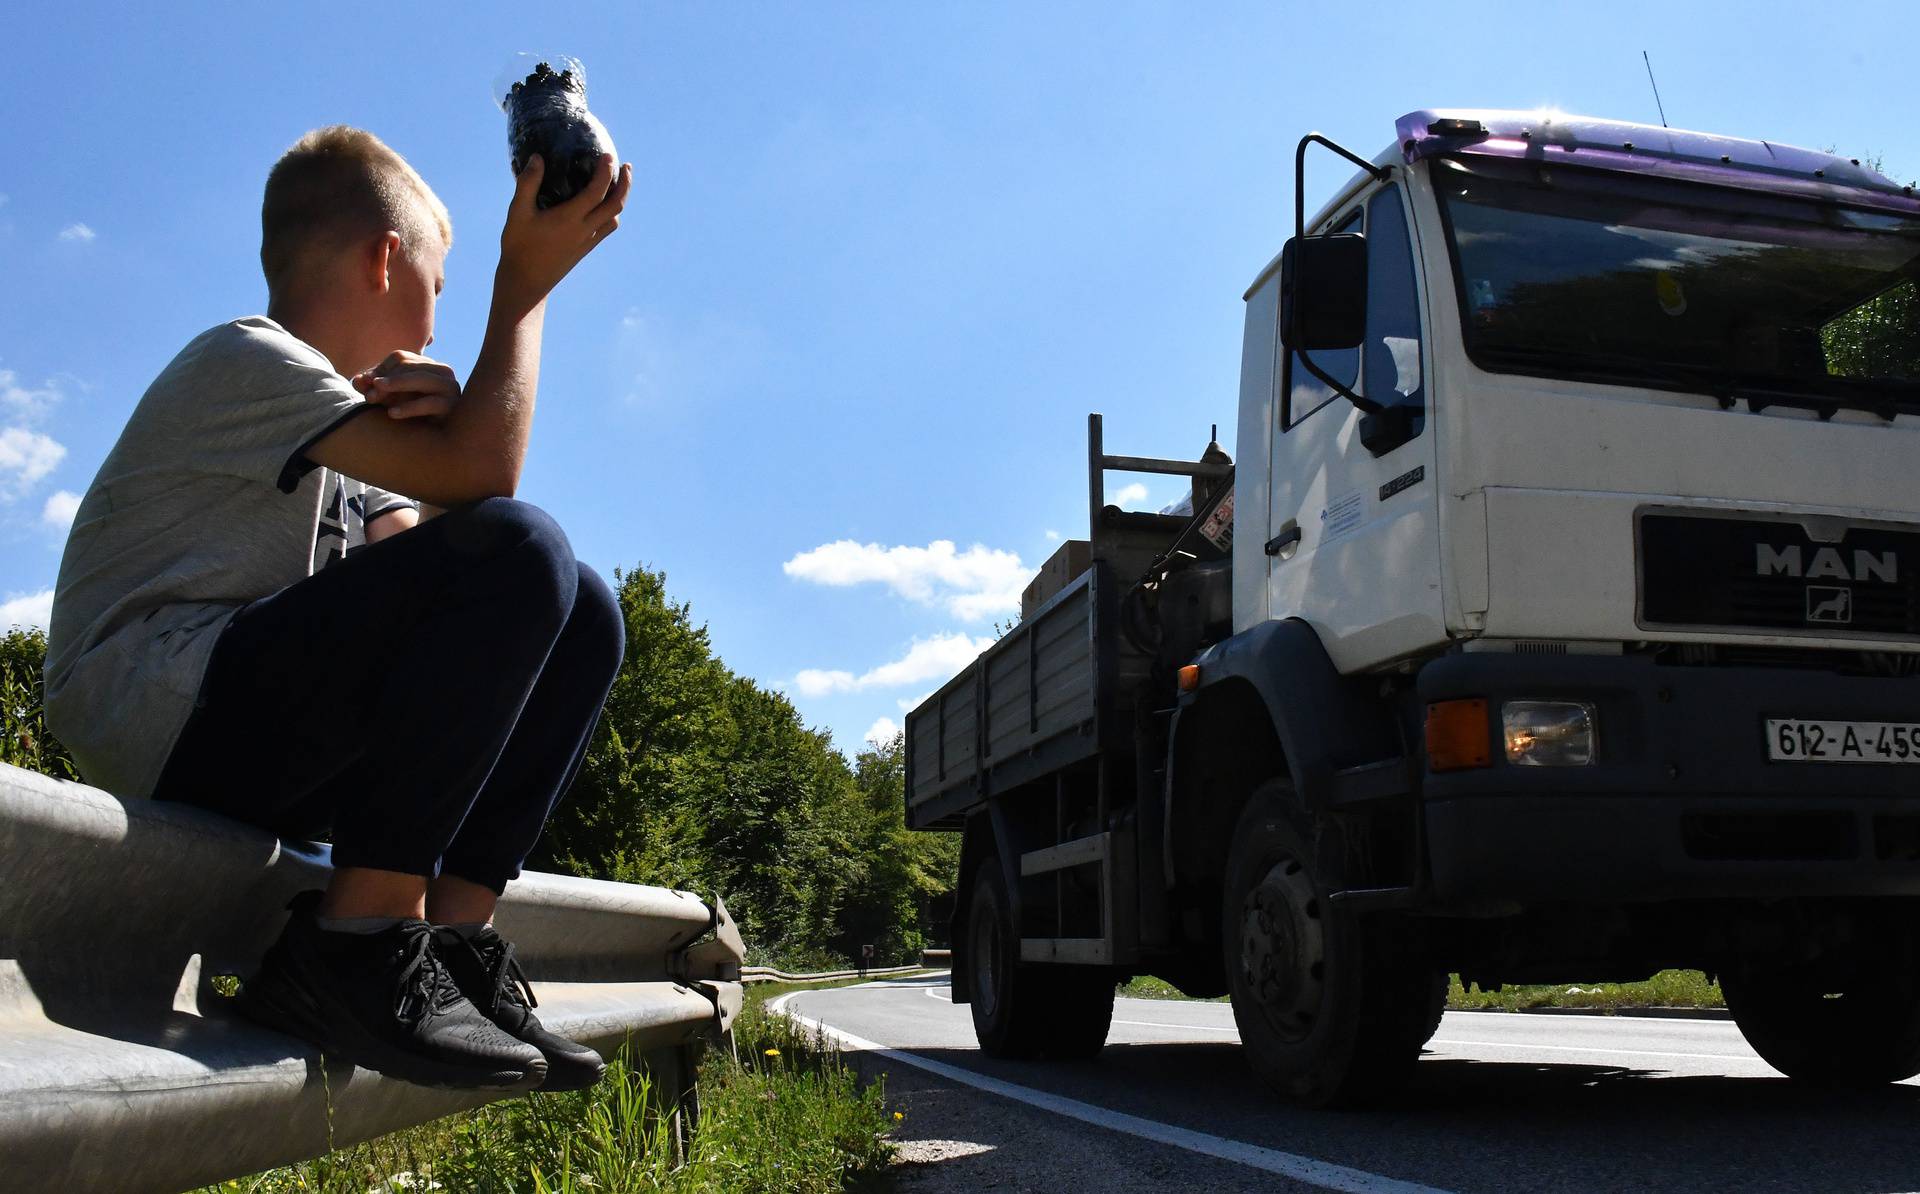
[[1499, 1102]]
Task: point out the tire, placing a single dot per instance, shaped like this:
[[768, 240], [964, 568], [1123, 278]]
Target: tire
[[1081, 1002], [1867, 1034], [1332, 1011], [1437, 984], [1022, 1010]]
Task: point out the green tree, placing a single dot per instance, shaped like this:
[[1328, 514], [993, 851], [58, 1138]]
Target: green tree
[[907, 872], [701, 779], [652, 762], [24, 740]]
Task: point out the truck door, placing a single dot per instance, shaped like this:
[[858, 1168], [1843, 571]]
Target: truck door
[[1354, 546]]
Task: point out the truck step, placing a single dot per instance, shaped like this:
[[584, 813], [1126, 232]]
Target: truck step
[[1370, 783], [1078, 852], [1369, 899], [1083, 951]]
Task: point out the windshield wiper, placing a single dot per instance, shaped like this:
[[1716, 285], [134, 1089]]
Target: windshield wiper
[[1823, 396]]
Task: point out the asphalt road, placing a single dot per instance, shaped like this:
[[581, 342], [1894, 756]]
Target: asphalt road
[[1500, 1102]]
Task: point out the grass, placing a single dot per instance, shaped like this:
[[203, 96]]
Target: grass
[[787, 1114], [1146, 986], [1669, 988]]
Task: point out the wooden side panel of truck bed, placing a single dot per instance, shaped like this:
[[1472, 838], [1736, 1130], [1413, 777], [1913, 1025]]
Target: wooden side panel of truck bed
[[1026, 707]]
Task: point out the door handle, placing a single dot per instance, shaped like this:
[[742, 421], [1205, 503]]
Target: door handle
[[1285, 539]]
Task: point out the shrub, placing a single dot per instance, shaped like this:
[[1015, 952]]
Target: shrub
[[24, 740]]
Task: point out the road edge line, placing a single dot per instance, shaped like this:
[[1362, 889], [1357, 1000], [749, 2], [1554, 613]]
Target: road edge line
[[1324, 1174]]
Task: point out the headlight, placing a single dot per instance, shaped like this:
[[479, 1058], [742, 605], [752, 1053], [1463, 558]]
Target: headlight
[[1548, 733]]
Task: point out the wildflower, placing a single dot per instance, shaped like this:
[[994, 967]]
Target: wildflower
[[773, 1052], [898, 1116]]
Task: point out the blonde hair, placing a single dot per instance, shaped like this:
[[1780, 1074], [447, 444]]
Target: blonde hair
[[335, 186]]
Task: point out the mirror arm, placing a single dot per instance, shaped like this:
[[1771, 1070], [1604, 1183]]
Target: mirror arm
[[1367, 405], [1378, 173]]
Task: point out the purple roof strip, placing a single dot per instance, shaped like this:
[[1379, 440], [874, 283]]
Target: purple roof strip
[[1650, 149]]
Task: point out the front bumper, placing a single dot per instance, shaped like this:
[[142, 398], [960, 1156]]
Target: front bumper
[[1682, 801]]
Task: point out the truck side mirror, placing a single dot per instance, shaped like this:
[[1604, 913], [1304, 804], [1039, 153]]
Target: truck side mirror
[[1323, 292]]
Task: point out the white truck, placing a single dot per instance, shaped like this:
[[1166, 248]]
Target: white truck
[[1559, 620]]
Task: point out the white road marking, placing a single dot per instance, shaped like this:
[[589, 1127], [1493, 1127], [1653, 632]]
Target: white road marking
[[1181, 1027], [1529, 1047], [1324, 1174], [944, 996]]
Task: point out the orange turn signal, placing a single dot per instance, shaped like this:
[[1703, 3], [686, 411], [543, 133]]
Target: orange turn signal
[[1190, 677], [1458, 736]]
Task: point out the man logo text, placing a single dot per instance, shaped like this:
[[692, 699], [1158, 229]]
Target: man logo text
[[1826, 562]]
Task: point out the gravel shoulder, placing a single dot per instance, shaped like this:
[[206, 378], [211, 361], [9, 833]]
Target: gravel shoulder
[[956, 1140]]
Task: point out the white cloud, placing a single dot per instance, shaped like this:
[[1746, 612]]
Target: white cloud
[[973, 585], [77, 232], [27, 402], [815, 682], [912, 703], [936, 658], [61, 506], [1053, 536], [1129, 495], [25, 458], [882, 731], [27, 609]]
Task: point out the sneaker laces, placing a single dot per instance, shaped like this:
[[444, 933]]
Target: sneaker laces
[[424, 984], [505, 979]]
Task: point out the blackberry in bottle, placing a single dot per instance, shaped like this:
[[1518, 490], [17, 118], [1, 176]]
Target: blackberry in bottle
[[547, 115]]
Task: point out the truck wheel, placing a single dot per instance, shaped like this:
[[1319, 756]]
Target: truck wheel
[[1864, 1035], [1436, 1005], [1024, 1010], [1081, 999], [1330, 1013]]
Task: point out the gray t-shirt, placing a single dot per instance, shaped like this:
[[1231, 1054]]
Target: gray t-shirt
[[206, 502]]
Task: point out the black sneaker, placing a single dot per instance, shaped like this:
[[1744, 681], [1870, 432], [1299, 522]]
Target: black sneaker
[[383, 1001], [483, 965]]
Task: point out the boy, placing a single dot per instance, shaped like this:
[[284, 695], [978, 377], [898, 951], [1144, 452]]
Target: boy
[[251, 619]]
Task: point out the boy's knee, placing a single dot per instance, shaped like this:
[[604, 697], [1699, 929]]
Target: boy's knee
[[497, 525], [600, 608], [520, 538]]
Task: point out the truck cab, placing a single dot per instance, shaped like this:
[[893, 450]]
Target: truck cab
[[1568, 627]]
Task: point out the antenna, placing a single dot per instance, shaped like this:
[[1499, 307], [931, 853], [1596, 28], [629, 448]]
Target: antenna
[[1656, 89]]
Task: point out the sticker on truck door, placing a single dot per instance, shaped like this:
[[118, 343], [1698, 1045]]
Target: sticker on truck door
[[1218, 528], [1342, 516]]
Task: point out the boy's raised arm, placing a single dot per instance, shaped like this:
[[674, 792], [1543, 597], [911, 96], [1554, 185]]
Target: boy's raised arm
[[477, 450]]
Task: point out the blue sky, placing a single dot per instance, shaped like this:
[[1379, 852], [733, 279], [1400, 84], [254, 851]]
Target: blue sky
[[881, 260]]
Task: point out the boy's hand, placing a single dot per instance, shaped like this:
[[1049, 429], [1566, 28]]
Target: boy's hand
[[410, 386], [538, 248]]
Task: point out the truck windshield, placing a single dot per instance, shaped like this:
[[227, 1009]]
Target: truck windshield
[[1752, 297]]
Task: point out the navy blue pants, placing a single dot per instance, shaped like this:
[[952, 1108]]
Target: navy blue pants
[[427, 698]]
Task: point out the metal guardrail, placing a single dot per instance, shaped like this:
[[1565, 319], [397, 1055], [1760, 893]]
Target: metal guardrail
[[767, 974], [121, 1068]]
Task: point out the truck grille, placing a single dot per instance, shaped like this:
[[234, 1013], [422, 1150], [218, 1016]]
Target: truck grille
[[1770, 575]]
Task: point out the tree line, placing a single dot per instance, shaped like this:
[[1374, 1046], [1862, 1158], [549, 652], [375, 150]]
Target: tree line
[[696, 778]]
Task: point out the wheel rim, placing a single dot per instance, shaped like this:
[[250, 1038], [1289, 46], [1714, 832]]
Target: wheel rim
[[1283, 949], [986, 945]]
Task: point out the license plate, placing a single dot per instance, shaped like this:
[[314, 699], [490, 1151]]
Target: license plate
[[1791, 741]]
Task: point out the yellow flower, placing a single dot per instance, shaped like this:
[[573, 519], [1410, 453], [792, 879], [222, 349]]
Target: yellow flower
[[773, 1052], [897, 1117]]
